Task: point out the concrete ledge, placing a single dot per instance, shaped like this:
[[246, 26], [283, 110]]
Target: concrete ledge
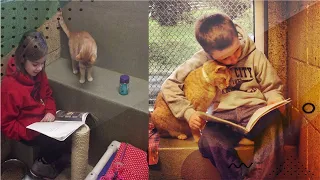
[[5, 147], [244, 149], [105, 85], [181, 159], [24, 153], [173, 143], [121, 118]]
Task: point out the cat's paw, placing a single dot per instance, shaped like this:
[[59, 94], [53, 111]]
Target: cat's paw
[[82, 81], [90, 79], [182, 137], [75, 71]]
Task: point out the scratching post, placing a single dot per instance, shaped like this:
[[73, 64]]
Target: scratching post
[[79, 155]]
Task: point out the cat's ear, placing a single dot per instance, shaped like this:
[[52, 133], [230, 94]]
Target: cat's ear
[[220, 68]]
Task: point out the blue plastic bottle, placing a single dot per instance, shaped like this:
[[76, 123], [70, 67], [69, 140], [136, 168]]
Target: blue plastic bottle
[[124, 85]]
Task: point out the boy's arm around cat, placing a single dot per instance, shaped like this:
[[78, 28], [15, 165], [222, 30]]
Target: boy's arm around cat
[[172, 88]]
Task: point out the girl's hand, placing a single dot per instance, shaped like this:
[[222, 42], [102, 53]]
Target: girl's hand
[[48, 118]]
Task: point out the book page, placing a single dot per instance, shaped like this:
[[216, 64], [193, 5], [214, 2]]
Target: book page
[[212, 118], [59, 130], [263, 111], [71, 116]]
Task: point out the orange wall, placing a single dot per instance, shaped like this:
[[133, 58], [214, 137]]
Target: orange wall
[[303, 75]]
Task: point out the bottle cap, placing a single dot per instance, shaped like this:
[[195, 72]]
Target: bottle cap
[[124, 79]]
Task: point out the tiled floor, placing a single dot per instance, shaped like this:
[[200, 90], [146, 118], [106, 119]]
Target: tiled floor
[[64, 175]]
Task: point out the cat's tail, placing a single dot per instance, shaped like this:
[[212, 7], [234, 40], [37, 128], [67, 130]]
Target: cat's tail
[[63, 24]]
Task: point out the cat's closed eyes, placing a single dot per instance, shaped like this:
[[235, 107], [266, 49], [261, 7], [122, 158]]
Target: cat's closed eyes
[[200, 88], [83, 51]]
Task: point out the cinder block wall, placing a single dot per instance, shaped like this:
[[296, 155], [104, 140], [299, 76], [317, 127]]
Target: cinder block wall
[[277, 39], [304, 77], [294, 50]]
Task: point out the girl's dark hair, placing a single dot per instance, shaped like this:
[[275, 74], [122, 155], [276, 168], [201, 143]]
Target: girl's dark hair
[[32, 47], [215, 32]]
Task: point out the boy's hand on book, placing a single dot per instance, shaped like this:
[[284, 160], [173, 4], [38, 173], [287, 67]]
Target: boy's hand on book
[[48, 118], [195, 122], [282, 109]]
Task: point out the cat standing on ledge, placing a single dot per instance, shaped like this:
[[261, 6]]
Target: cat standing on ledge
[[83, 50]]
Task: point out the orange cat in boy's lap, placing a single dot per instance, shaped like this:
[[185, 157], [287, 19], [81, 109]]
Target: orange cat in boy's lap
[[200, 87]]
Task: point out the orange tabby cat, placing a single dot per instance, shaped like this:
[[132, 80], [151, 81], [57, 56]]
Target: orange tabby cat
[[200, 88], [83, 50]]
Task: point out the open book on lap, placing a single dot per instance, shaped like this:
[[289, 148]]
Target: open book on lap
[[256, 116], [65, 124]]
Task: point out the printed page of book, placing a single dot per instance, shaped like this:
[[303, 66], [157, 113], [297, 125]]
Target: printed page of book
[[263, 111], [59, 130], [71, 116]]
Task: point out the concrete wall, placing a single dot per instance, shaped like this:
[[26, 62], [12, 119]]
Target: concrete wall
[[294, 50], [304, 74], [304, 77], [120, 29], [277, 39]]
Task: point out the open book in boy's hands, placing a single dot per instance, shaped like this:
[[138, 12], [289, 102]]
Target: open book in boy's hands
[[253, 120], [65, 124]]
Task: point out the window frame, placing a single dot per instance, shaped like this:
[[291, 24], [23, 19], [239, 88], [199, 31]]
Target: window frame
[[259, 24]]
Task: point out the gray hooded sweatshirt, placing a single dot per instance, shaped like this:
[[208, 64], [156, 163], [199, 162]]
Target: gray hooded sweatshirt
[[254, 81]]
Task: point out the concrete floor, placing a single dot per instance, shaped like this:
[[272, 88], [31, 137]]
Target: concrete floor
[[193, 168], [16, 175], [187, 163]]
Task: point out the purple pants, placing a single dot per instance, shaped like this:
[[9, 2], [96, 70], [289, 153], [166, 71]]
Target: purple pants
[[218, 141]]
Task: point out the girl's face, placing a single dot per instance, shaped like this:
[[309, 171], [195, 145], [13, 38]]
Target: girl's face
[[33, 68]]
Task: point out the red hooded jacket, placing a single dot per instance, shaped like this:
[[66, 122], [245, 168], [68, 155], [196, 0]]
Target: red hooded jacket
[[24, 101]]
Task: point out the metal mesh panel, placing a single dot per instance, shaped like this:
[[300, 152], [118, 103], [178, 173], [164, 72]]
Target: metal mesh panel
[[171, 32]]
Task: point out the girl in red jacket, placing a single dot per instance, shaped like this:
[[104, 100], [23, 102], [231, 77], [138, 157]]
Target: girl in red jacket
[[26, 98]]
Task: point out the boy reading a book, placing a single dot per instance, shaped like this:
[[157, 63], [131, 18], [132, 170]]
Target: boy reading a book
[[254, 84]]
